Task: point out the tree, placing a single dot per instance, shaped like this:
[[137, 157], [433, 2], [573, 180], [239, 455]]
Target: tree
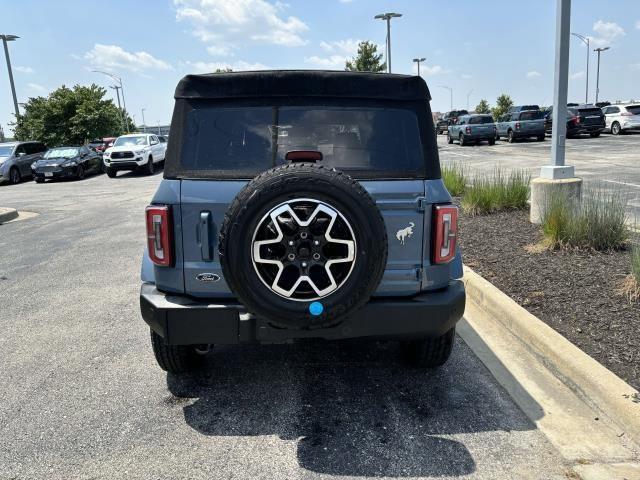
[[70, 117], [483, 107], [223, 70], [503, 103], [367, 59]]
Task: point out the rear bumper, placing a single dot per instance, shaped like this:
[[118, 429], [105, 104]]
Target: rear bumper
[[182, 320]]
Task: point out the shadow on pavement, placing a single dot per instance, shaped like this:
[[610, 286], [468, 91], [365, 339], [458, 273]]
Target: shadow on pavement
[[353, 406]]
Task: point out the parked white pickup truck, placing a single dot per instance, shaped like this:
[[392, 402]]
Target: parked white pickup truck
[[133, 152]]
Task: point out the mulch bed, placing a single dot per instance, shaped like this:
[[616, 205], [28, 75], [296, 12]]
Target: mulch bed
[[574, 292]]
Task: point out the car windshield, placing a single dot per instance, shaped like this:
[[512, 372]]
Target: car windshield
[[634, 109], [5, 150], [531, 115], [257, 138], [130, 141], [480, 119], [64, 152]]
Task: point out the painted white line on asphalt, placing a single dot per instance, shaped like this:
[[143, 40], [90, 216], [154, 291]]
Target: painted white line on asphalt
[[622, 183], [459, 154]]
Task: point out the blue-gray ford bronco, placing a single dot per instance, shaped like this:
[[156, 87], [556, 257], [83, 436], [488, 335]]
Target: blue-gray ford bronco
[[301, 204]]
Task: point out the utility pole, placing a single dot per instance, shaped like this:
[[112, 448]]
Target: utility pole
[[5, 39], [599, 50], [418, 60], [388, 17], [468, 95], [117, 88], [119, 80], [144, 121], [450, 94], [586, 41]]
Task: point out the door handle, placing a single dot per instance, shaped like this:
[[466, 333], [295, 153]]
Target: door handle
[[205, 234]]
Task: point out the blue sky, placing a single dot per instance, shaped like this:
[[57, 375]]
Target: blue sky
[[483, 47]]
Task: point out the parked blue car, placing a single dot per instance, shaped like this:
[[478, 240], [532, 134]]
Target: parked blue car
[[473, 128], [521, 124]]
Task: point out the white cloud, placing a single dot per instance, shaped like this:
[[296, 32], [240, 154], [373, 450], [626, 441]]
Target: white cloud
[[466, 76], [210, 67], [638, 25], [20, 69], [347, 47], [635, 67], [533, 74], [113, 57], [346, 1], [608, 33], [333, 62], [427, 71], [36, 88], [225, 25], [577, 76]]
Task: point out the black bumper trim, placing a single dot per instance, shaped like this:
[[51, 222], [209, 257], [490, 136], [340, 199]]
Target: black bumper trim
[[184, 321]]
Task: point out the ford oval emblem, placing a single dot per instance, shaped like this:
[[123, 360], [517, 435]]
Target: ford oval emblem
[[208, 277]]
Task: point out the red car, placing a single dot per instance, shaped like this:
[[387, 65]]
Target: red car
[[101, 145]]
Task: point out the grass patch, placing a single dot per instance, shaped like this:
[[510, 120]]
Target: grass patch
[[455, 178], [597, 222], [496, 191]]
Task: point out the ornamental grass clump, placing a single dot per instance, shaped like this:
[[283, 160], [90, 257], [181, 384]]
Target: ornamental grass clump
[[598, 222], [492, 192], [454, 176]]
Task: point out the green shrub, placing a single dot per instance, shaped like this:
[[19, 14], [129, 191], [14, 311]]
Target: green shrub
[[597, 222], [496, 191], [455, 178], [635, 263]]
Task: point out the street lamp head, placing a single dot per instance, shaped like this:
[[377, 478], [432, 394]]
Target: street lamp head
[[9, 38], [601, 49], [419, 59], [387, 16]]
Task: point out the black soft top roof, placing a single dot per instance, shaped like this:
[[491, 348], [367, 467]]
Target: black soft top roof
[[303, 83]]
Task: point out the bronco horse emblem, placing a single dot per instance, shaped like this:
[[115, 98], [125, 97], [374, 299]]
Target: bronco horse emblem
[[405, 233]]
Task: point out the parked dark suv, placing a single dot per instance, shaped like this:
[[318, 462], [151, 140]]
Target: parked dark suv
[[299, 204], [449, 118], [580, 119]]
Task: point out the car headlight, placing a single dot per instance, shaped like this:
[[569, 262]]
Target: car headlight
[[70, 163], [106, 154], [139, 152], [33, 165]]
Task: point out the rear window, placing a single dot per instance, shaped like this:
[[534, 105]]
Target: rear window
[[634, 109], [479, 120], [531, 115], [250, 139], [590, 111]]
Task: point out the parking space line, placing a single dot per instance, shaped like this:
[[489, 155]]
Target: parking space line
[[621, 183]]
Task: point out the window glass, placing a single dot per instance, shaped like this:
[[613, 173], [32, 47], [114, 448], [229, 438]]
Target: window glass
[[634, 109], [480, 119], [531, 115]]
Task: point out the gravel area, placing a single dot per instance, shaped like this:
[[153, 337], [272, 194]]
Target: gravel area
[[574, 292]]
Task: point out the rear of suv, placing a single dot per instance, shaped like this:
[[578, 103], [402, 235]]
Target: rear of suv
[[622, 118], [300, 204]]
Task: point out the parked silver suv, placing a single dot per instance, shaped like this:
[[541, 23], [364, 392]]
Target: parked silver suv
[[622, 118], [16, 159]]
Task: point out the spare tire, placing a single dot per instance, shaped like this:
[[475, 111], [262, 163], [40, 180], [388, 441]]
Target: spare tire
[[303, 246]]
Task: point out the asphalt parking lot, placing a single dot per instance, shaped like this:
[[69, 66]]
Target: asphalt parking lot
[[610, 162], [83, 397]]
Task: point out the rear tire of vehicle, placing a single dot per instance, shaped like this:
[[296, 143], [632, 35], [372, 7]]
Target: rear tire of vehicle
[[449, 139], [510, 136], [80, 173], [429, 352], [149, 167], [461, 139], [111, 173], [541, 138], [492, 142], [175, 358], [39, 180], [594, 134], [285, 184], [615, 128], [14, 176]]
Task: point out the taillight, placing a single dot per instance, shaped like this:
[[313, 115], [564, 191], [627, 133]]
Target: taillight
[[517, 125], [468, 130], [575, 120], [445, 228], [626, 114], [160, 235]]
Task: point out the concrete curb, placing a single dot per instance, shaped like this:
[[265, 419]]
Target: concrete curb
[[7, 214], [596, 386]]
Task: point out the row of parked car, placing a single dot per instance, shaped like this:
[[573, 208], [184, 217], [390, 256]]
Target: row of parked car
[[137, 151], [529, 121]]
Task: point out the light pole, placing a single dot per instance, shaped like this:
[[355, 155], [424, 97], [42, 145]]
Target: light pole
[[117, 88], [5, 39], [119, 80], [418, 60], [586, 41], [388, 17], [599, 50], [450, 94], [468, 95], [144, 122]]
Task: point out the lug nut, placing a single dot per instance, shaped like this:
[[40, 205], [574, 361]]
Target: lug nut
[[304, 264], [291, 243], [316, 243], [316, 256], [291, 257], [303, 235]]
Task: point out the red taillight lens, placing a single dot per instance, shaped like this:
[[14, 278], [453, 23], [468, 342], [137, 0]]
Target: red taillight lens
[[517, 125], [626, 114], [576, 120], [445, 228], [160, 235], [468, 130]]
